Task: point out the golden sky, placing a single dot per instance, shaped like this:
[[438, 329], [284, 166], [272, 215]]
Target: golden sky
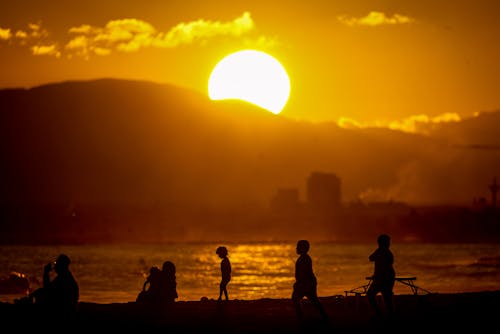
[[359, 62]]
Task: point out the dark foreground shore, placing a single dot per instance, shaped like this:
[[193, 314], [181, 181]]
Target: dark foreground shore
[[476, 311]]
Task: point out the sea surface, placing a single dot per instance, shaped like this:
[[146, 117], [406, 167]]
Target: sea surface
[[116, 273]]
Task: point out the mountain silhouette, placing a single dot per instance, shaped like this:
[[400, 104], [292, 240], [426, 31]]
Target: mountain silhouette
[[118, 150]]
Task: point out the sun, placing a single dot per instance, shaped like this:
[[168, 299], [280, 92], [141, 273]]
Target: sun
[[252, 76]]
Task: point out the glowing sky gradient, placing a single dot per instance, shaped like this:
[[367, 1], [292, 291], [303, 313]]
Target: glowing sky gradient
[[354, 62]]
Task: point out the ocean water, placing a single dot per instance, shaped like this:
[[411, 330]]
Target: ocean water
[[116, 273]]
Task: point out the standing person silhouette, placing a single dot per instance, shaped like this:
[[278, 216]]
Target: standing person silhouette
[[225, 268], [305, 281], [383, 276], [61, 292]]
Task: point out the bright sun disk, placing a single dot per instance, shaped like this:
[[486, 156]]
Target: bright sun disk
[[252, 76]]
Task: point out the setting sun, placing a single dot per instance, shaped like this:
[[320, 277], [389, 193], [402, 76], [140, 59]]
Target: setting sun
[[252, 76]]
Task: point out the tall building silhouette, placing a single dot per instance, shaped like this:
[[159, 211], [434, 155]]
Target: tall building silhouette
[[323, 191]]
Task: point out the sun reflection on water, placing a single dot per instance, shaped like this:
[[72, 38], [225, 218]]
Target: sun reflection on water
[[116, 273]]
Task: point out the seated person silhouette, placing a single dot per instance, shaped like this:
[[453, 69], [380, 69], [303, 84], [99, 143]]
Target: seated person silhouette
[[62, 291], [168, 287], [160, 286], [305, 281], [150, 286]]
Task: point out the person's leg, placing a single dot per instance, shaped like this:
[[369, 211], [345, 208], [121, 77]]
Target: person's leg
[[388, 298], [313, 297], [39, 296], [372, 297], [296, 298], [221, 290]]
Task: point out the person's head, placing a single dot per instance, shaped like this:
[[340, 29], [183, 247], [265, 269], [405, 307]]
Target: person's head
[[62, 263], [384, 240], [154, 275], [154, 270], [302, 246], [168, 268], [221, 251]]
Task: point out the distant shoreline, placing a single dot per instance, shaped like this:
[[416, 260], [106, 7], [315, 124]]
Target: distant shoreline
[[348, 314]]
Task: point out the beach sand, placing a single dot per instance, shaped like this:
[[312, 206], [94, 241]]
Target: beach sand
[[474, 311]]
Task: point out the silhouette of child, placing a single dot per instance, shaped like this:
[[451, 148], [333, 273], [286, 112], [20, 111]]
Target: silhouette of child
[[383, 276], [225, 268], [305, 281]]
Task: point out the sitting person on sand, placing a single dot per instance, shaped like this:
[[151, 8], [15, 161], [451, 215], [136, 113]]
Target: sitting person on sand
[[62, 291], [168, 288], [305, 281], [150, 285], [160, 286]]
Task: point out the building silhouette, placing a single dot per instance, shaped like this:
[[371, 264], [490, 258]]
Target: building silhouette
[[323, 191]]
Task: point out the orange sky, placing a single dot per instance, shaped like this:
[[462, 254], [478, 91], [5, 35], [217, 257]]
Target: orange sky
[[361, 61]]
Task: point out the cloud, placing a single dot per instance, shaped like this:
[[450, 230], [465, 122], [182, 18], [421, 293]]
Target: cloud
[[413, 124], [264, 42], [46, 50], [128, 35], [34, 37], [420, 123], [349, 123], [187, 33], [131, 35], [420, 180], [21, 34], [5, 34], [375, 18], [102, 51], [36, 31]]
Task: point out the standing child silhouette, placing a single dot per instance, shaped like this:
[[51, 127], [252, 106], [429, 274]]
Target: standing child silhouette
[[305, 281], [225, 268]]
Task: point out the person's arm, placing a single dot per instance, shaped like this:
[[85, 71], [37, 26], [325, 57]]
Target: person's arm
[[145, 285], [373, 256]]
